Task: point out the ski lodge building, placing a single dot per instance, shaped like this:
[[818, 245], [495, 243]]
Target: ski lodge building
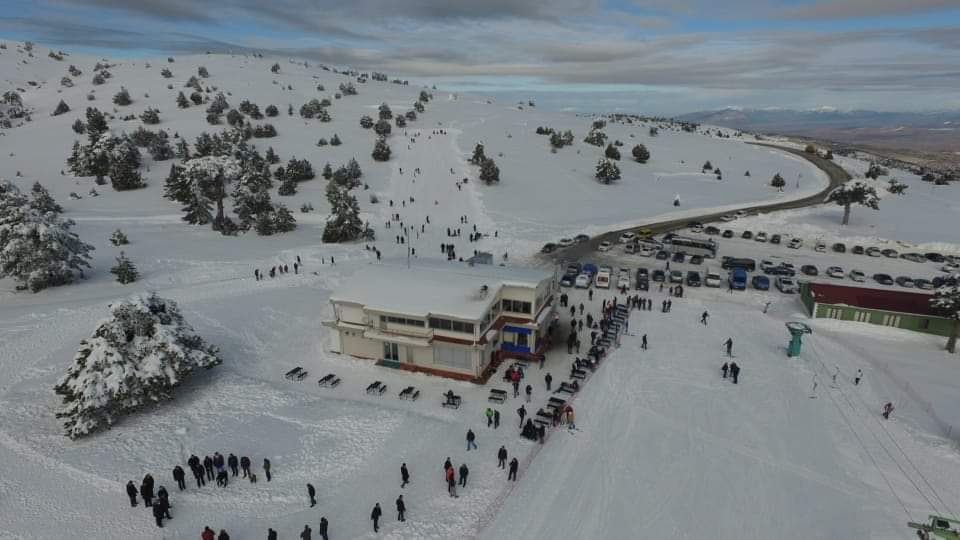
[[446, 318], [899, 309]]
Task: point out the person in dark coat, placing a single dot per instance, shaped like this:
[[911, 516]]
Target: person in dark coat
[[158, 515], [266, 468], [471, 440], [223, 478], [464, 471], [313, 495], [208, 466], [163, 500], [199, 476], [322, 529], [496, 419], [514, 465], [271, 534], [218, 462], [223, 535], [245, 466], [178, 475], [401, 508], [404, 476], [723, 369], [146, 490], [447, 465], [548, 378], [735, 372], [375, 516], [307, 533], [132, 493], [502, 457], [234, 464], [523, 413]]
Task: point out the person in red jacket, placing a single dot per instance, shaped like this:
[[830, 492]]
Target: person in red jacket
[[208, 534]]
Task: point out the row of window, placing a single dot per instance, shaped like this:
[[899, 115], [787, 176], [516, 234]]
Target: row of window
[[452, 326], [401, 320], [516, 306]]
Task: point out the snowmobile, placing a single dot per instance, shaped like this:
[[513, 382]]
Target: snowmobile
[[939, 527]]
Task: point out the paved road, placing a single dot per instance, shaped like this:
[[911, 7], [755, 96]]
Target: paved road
[[834, 172]]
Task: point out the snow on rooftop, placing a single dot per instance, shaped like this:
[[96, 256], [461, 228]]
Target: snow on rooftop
[[434, 287]]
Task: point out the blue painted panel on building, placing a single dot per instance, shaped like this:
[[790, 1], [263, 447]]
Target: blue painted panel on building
[[516, 329], [390, 363], [510, 347]]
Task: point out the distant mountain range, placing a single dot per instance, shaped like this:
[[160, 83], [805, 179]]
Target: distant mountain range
[[936, 132]]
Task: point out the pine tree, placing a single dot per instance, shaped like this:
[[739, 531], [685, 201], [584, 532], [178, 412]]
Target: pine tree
[[607, 171], [381, 150], [118, 238], [778, 182], [384, 112], [271, 111], [135, 358], [42, 201], [640, 153], [271, 156], [264, 224], [202, 71], [344, 223], [489, 172], [150, 116], [946, 299], [335, 140], [62, 108], [283, 220], [160, 149], [79, 127], [125, 270], [478, 154], [287, 187], [612, 153], [855, 192], [37, 248], [327, 171], [366, 122], [595, 137], [382, 128], [96, 125], [707, 166], [353, 170], [275, 68], [122, 97]]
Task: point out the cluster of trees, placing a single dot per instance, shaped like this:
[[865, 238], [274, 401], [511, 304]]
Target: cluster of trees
[[316, 109], [348, 89], [596, 137], [106, 155], [37, 248], [150, 116], [489, 172], [876, 171], [297, 170], [122, 97], [134, 359], [559, 140], [347, 176]]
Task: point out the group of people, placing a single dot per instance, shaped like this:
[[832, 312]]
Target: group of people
[[280, 269], [160, 507]]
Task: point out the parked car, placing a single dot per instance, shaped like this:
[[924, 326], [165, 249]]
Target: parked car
[[679, 257], [693, 278], [712, 279], [781, 270], [727, 233], [915, 257], [604, 246], [630, 248], [883, 279], [565, 242], [645, 233], [568, 279], [786, 285], [840, 247], [890, 253], [676, 276], [658, 275], [549, 247], [738, 279], [642, 273], [873, 251], [663, 255], [935, 257], [905, 281], [760, 283], [695, 226], [761, 237], [857, 250], [835, 272], [581, 238], [603, 278], [582, 281], [574, 268], [809, 270], [696, 259], [775, 239], [623, 280], [628, 237], [726, 218], [858, 276], [795, 243], [924, 284], [643, 284], [742, 213], [746, 235], [820, 246], [949, 268], [711, 230], [590, 268], [647, 252], [737, 262]]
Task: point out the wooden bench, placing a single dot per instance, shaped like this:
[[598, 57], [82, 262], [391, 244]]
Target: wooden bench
[[301, 376], [556, 401], [578, 374], [334, 383], [497, 396], [326, 379], [377, 388], [293, 373], [410, 393], [452, 403], [543, 416], [566, 388]]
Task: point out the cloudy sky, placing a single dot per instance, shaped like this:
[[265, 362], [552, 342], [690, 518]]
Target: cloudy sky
[[652, 56]]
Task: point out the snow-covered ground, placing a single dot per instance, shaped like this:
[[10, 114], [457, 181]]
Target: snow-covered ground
[[665, 448]]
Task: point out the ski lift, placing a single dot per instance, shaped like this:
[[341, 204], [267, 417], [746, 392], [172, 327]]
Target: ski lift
[[939, 527], [797, 330]]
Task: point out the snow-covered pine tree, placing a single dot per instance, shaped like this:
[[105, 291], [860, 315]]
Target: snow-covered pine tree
[[854, 192], [298, 170], [366, 122], [595, 137], [478, 154], [418, 107], [327, 171], [707, 166], [287, 187], [607, 171], [37, 248], [640, 153], [335, 140], [283, 220], [42, 201], [118, 238], [353, 170], [778, 182], [384, 112], [209, 177], [124, 160], [150, 116], [400, 121], [160, 149], [381, 150], [122, 97], [946, 299], [125, 270], [382, 128], [489, 172], [344, 224], [612, 153], [62, 108], [135, 358]]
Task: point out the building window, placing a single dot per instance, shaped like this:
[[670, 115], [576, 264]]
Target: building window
[[453, 358], [452, 326], [522, 340], [391, 351], [401, 320], [516, 306]]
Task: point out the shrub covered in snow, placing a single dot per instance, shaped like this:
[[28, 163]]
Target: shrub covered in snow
[[946, 299], [135, 358], [344, 223], [118, 238], [62, 107], [595, 137], [612, 153], [607, 171], [381, 150], [489, 172], [122, 97], [150, 116], [125, 270], [271, 111], [640, 153], [382, 128]]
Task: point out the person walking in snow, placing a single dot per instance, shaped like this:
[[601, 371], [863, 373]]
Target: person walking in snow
[[158, 515], [322, 529], [471, 440], [163, 499], [271, 534], [548, 379], [218, 461], [856, 380], [502, 457], [489, 415], [643, 342], [451, 482], [887, 409], [496, 419], [464, 471], [404, 476], [728, 344], [735, 372], [401, 508], [245, 466], [529, 391], [223, 478], [208, 466], [132, 493], [375, 516], [266, 468], [514, 465], [146, 490], [306, 534], [312, 493], [522, 412], [703, 318], [198, 475], [178, 475], [207, 534]]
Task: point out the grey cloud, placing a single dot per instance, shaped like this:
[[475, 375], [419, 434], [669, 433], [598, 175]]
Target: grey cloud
[[858, 9]]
